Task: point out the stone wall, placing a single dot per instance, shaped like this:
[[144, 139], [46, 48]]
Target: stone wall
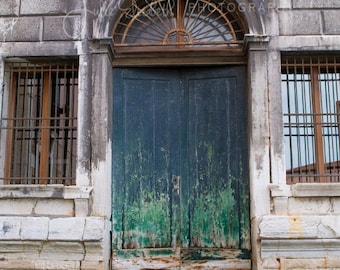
[[36, 20], [302, 229], [50, 227], [57, 227], [305, 223], [53, 26], [305, 25]]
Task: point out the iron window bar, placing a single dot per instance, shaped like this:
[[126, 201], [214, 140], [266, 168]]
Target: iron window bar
[[39, 123], [311, 94]]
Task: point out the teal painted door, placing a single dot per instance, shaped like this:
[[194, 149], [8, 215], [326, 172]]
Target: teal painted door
[[180, 167]]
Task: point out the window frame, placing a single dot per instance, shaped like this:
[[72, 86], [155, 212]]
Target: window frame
[[48, 74], [314, 66]]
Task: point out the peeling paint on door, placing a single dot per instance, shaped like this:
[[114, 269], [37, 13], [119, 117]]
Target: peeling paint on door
[[180, 187]]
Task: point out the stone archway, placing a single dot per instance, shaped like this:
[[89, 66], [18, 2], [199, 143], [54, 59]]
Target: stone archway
[[110, 10], [139, 183], [255, 43]]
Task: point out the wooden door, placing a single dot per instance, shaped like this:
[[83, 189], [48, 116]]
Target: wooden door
[[180, 166]]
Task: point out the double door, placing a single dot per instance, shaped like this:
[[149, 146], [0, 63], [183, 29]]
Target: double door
[[180, 169]]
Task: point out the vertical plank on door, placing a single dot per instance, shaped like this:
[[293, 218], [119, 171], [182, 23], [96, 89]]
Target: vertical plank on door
[[143, 212], [215, 162]]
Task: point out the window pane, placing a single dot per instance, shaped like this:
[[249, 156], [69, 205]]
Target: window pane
[[26, 138], [330, 94], [298, 119], [63, 128], [310, 103], [40, 124]]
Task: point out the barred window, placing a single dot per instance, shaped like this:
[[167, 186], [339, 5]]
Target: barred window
[[311, 116], [39, 123]]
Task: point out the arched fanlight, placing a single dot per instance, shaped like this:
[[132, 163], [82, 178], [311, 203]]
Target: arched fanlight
[[181, 24]]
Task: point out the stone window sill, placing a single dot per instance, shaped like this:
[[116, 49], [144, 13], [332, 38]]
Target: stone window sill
[[306, 190], [44, 191]]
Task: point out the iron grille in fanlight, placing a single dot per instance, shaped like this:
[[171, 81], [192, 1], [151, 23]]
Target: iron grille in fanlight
[[179, 24]]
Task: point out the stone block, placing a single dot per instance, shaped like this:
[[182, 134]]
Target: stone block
[[9, 7], [62, 28], [316, 263], [300, 22], [62, 251], [31, 191], [30, 7], [270, 264], [45, 191], [300, 248], [316, 189], [331, 21], [54, 207], [17, 264], [284, 4], [300, 227], [309, 206], [56, 265], [329, 227], [94, 251], [39, 265], [335, 205], [74, 192], [309, 43], [94, 229], [34, 228], [15, 207], [20, 29], [14, 250], [280, 205], [280, 190], [81, 207], [68, 229], [92, 265], [10, 228], [315, 3]]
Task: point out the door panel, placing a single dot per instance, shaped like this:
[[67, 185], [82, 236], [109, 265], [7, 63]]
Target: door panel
[[144, 160], [217, 167], [180, 186]]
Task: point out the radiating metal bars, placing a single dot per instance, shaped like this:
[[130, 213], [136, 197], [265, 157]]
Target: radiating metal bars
[[174, 24], [311, 95], [39, 124]]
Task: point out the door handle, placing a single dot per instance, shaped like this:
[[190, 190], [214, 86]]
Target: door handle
[[176, 183]]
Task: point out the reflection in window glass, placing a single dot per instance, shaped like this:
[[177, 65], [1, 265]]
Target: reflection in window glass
[[311, 106], [39, 124]]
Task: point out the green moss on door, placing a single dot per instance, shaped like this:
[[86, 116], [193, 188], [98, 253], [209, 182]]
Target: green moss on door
[[180, 161]]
